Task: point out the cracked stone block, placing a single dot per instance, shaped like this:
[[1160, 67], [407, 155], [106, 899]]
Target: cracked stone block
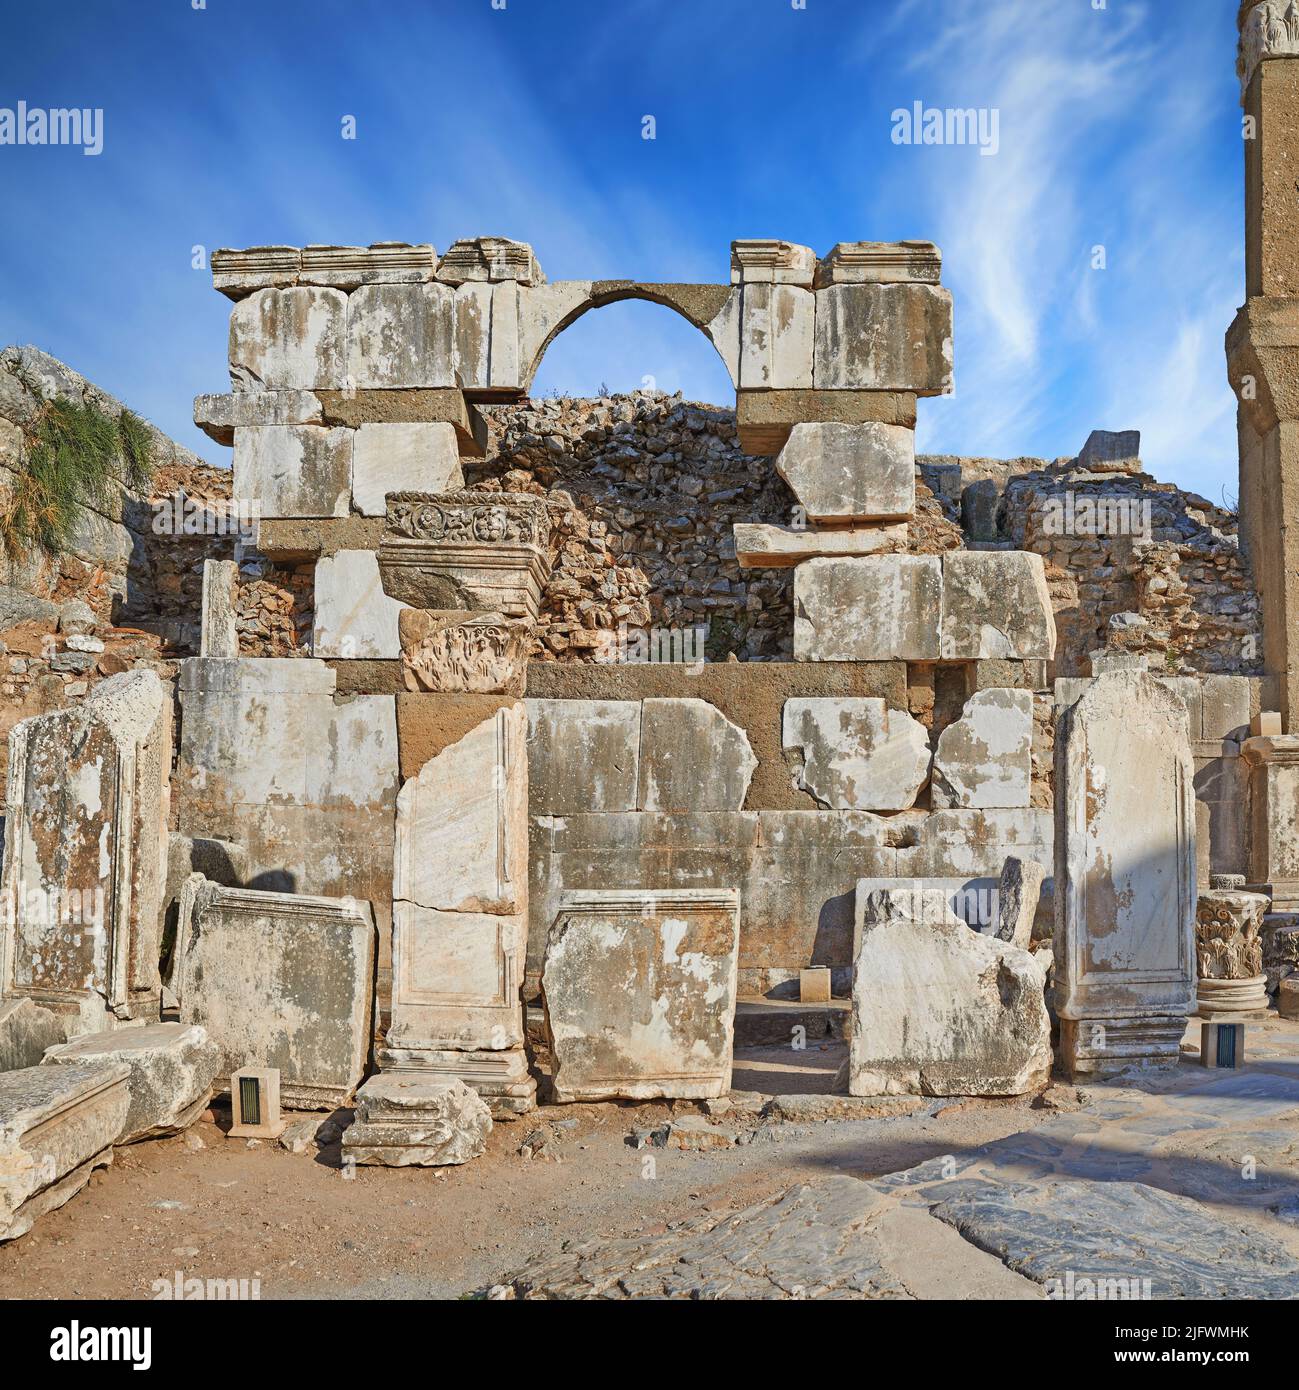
[[294, 470], [583, 756], [940, 1010], [995, 605], [405, 1120], [883, 608], [26, 1032], [639, 992], [851, 472], [1019, 894], [279, 980], [856, 754], [57, 1124], [884, 337], [388, 458], [289, 339], [401, 336], [354, 618], [984, 759], [172, 1068], [692, 758]]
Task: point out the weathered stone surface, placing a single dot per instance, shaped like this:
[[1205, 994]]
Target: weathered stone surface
[[490, 258], [856, 755], [583, 756], [941, 1010], [1229, 952], [884, 337], [86, 854], [1019, 894], [764, 419], [1124, 876], [1111, 451], [487, 338], [777, 330], [57, 1124], [172, 1068], [639, 991], [692, 758], [354, 618], [405, 1119], [401, 335], [383, 262], [879, 262], [220, 416], [462, 822], [1280, 947], [403, 458], [985, 758], [996, 605], [763, 260], [1273, 762], [279, 980], [851, 472], [869, 610], [458, 652], [294, 470], [762, 546], [500, 1077], [26, 1031], [220, 636], [289, 339]]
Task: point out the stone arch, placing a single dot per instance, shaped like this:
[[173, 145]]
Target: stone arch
[[712, 309]]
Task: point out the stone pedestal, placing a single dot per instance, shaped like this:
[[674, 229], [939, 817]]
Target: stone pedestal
[[1124, 876], [1273, 763], [404, 1119], [1229, 952]]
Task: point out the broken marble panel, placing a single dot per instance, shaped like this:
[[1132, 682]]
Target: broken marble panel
[[759, 545], [938, 1009], [884, 337], [855, 754], [1124, 876], [842, 473], [406, 1119], [57, 1124], [293, 470], [414, 457], [26, 1032], [172, 1068], [354, 618], [639, 992], [280, 980], [996, 605], [293, 338], [692, 758], [401, 336], [220, 636], [462, 830], [879, 609], [85, 857], [458, 652], [985, 758], [583, 756]]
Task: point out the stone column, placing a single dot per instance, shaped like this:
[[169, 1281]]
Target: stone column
[[1263, 341], [1229, 950]]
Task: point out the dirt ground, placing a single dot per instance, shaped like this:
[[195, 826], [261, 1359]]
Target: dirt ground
[[212, 1207]]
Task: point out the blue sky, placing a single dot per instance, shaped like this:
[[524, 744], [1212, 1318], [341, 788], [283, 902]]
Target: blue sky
[[1119, 128]]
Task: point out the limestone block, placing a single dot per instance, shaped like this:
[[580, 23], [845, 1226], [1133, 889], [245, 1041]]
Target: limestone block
[[354, 618], [879, 262], [884, 337], [490, 258], [57, 1124], [459, 652], [462, 834], [294, 470], [985, 758], [85, 856], [762, 260], [880, 609], [401, 335], [777, 330], [237, 273], [1019, 895], [279, 980], [692, 758], [976, 842], [851, 472], [289, 339], [940, 1010], [973, 900], [220, 637], [1124, 875], [639, 992], [583, 756], [172, 1067], [403, 458], [996, 605], [1224, 707], [26, 1031], [1111, 451], [759, 545], [501, 1077], [219, 416], [384, 262], [404, 1119], [487, 337], [855, 754]]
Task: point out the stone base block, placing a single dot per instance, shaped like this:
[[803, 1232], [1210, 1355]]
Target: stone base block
[[502, 1079], [410, 1119], [1095, 1047], [1237, 998]]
